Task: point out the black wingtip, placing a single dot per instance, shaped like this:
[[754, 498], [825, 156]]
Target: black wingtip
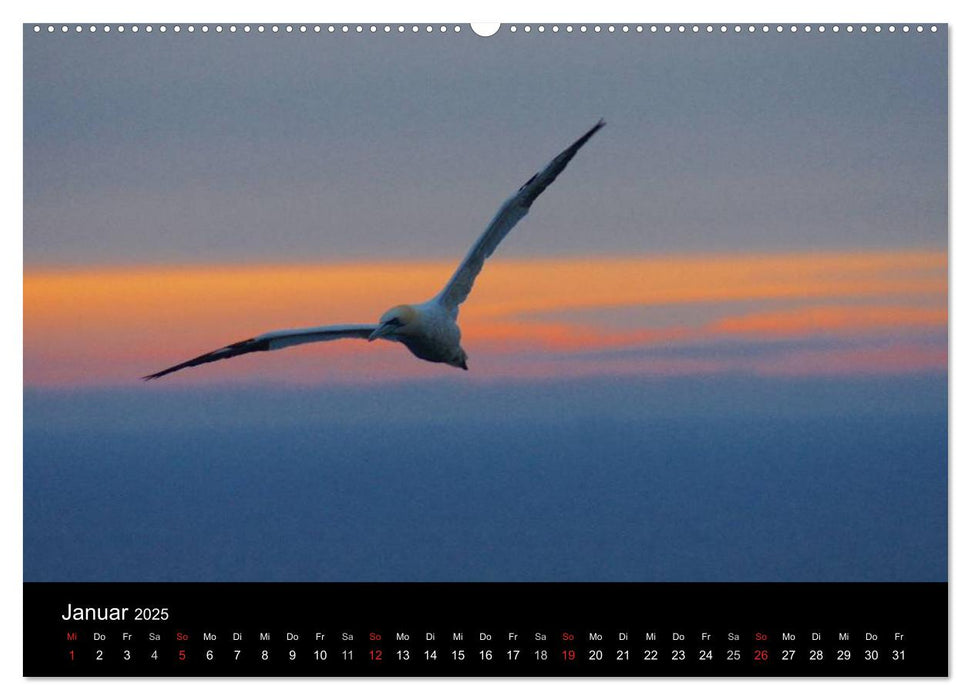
[[586, 137], [166, 371]]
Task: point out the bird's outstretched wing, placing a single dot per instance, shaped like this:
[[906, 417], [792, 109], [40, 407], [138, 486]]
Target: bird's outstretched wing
[[274, 340], [514, 209]]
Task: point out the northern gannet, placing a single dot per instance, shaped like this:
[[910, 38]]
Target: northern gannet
[[430, 329]]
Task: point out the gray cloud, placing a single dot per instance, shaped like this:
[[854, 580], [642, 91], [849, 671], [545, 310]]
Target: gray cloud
[[152, 148]]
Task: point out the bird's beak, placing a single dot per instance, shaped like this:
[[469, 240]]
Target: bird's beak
[[381, 331]]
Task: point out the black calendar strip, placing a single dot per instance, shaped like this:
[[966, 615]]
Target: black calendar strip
[[637, 629]]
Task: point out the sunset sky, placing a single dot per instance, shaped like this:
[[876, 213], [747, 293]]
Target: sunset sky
[[755, 245], [834, 313], [183, 193]]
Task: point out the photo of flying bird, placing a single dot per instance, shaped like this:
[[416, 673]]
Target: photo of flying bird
[[430, 329]]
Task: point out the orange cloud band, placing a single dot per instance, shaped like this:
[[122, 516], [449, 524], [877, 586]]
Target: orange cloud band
[[113, 324]]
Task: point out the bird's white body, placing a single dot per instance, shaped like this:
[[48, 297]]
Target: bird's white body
[[431, 333], [430, 329]]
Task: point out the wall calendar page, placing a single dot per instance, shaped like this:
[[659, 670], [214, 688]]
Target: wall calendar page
[[547, 349]]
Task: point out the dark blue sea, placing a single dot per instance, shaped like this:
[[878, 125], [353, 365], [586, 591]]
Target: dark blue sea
[[723, 479]]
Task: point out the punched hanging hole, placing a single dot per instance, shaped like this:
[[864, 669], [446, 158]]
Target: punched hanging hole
[[485, 28]]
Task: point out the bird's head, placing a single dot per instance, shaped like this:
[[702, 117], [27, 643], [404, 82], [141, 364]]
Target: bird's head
[[395, 323]]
